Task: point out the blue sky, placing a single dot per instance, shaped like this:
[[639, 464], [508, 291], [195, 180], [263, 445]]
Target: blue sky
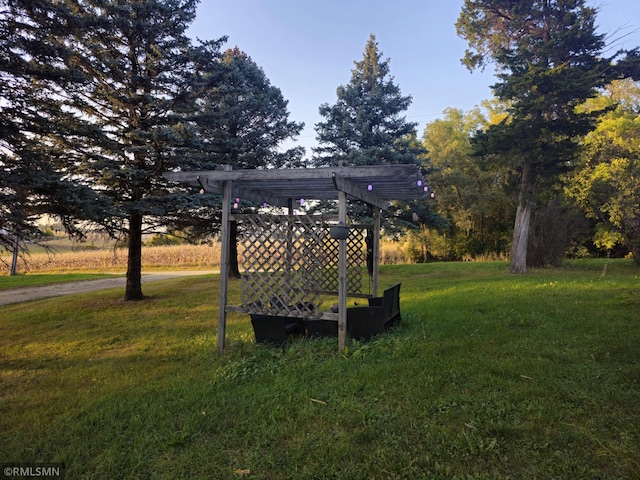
[[307, 48]]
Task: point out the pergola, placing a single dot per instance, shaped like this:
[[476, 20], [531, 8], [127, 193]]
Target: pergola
[[377, 186]]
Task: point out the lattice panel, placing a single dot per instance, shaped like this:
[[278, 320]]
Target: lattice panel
[[288, 261], [355, 260]]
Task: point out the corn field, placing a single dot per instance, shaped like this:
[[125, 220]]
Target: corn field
[[168, 256]]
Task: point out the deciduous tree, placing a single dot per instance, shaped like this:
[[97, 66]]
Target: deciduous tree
[[474, 197], [608, 184]]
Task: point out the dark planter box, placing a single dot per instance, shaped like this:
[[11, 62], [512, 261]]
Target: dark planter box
[[341, 232], [322, 328], [274, 329]]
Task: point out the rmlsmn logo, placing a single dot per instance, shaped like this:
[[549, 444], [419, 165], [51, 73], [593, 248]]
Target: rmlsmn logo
[[32, 470]]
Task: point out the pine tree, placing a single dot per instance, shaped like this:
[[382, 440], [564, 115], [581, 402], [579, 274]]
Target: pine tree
[[549, 60]]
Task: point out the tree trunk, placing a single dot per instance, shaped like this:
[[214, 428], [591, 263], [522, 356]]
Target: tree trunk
[[234, 269], [133, 289], [14, 261], [523, 220]]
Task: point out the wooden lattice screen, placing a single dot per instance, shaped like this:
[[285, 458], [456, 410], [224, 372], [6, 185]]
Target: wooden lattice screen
[[289, 261]]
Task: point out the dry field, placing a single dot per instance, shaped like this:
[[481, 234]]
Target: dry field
[[165, 257], [106, 260]]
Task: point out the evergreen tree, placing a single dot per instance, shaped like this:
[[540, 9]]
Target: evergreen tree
[[137, 61], [244, 119], [549, 60], [366, 125], [37, 131], [240, 120]]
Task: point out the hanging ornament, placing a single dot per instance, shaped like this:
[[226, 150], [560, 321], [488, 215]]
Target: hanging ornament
[[369, 187]]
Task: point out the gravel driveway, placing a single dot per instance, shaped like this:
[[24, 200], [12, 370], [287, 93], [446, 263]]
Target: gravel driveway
[[18, 295]]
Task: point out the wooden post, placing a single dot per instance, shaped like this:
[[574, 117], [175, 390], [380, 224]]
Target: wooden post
[[224, 263], [376, 249], [342, 275], [288, 250]]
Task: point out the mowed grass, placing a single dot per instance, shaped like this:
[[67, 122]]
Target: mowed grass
[[489, 375], [36, 280]]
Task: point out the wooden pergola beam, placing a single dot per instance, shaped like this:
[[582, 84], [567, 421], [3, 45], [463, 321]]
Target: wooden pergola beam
[[276, 186], [351, 188]]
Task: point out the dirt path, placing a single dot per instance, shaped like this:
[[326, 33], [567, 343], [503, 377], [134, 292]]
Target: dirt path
[[18, 295]]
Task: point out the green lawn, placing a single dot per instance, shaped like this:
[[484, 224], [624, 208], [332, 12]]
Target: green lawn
[[489, 375], [36, 280]]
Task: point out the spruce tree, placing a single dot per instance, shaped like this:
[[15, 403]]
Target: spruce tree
[[239, 119], [39, 135], [366, 125], [243, 118], [136, 60]]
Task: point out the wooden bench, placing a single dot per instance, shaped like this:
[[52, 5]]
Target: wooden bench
[[382, 313]]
